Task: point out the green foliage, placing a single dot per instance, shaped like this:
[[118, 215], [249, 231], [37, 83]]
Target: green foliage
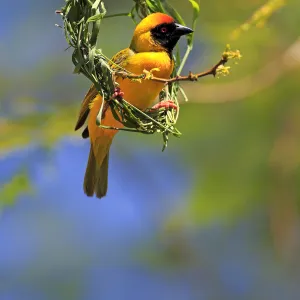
[[82, 21], [45, 128], [10, 191], [260, 17], [196, 12]]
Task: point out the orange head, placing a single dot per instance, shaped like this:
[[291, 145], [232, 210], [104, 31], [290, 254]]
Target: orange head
[[157, 32]]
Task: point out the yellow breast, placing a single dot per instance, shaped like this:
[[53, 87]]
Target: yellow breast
[[142, 94]]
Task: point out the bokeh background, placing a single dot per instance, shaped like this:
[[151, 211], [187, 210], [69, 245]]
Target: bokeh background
[[216, 216]]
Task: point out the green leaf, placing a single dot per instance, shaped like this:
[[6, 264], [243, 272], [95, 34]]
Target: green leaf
[[160, 6], [183, 94], [177, 57], [96, 4], [155, 6], [196, 12], [174, 13], [118, 15], [95, 18], [196, 8], [77, 69]]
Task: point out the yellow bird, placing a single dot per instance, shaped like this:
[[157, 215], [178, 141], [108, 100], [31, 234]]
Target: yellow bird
[[151, 48]]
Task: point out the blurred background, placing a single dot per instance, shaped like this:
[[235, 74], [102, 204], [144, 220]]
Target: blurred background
[[215, 216]]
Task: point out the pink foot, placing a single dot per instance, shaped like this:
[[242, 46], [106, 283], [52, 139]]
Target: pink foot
[[167, 104], [118, 94]]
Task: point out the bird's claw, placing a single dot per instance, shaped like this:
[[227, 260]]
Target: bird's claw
[[118, 94]]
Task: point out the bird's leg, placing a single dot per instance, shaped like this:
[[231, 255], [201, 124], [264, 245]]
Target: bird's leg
[[166, 104], [118, 94]]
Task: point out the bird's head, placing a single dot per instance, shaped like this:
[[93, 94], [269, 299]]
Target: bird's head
[[157, 32]]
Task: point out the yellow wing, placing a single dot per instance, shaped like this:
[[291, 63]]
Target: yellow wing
[[117, 62]]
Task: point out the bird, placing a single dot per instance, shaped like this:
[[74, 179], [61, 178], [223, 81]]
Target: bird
[[151, 47]]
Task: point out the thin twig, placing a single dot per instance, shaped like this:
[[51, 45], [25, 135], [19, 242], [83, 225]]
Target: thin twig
[[190, 77]]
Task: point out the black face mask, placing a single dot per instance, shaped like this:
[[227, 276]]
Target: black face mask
[[168, 34]]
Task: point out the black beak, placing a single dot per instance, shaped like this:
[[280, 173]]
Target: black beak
[[182, 30]]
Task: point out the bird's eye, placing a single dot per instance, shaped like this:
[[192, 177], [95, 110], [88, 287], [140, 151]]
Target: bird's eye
[[164, 30]]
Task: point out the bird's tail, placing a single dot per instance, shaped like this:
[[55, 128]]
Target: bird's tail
[[96, 174]]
